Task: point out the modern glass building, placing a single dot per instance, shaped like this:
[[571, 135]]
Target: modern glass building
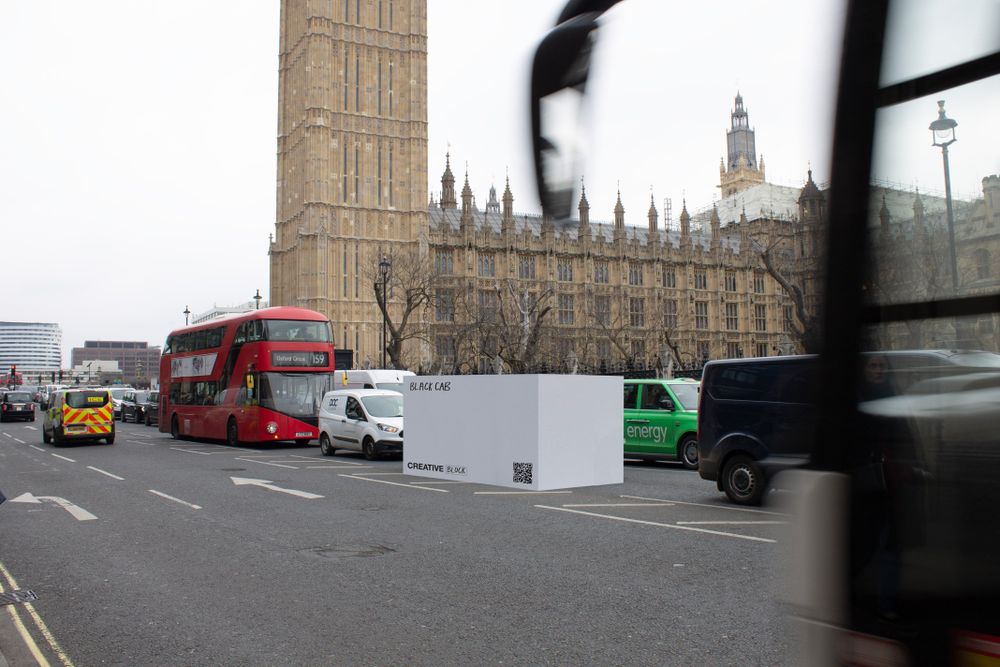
[[33, 347]]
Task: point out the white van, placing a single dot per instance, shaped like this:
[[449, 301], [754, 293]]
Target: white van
[[369, 421], [373, 379]]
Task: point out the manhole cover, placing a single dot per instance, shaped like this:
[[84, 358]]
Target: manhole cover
[[338, 552]]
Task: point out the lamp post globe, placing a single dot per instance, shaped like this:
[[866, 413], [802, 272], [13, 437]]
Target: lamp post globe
[[257, 297], [187, 313]]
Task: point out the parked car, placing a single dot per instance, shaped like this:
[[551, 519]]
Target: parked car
[[117, 394], [16, 405], [79, 414], [150, 409], [369, 421], [661, 420], [131, 405]]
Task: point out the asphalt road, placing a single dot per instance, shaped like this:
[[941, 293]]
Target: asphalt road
[[149, 552]]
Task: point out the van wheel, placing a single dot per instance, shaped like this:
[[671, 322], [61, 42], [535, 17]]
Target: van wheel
[[146, 420], [743, 481], [368, 449], [325, 446], [46, 438], [232, 433], [688, 451], [110, 439], [175, 431]]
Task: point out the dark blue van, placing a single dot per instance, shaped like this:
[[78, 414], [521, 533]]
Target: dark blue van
[[755, 417]]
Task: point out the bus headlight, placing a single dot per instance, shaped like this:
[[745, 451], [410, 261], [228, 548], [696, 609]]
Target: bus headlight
[[271, 428]]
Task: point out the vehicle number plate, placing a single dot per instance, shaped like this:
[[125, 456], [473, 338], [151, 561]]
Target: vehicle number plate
[[76, 429], [307, 434]]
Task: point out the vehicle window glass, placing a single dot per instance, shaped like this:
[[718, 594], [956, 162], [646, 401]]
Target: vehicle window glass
[[651, 395], [118, 394], [960, 30], [631, 395], [241, 334], [298, 330], [352, 409], [87, 399], [391, 386], [294, 394], [214, 337], [17, 397], [383, 406], [687, 394]]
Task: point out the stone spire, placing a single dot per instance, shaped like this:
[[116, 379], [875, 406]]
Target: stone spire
[[716, 227], [619, 218], [448, 185], [740, 170], [508, 207], [493, 206], [685, 222], [918, 212], [466, 195], [652, 216], [812, 203], [584, 208]]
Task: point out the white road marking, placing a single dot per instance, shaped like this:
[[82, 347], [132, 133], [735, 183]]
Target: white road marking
[[265, 463], [105, 472], [320, 458], [516, 493], [333, 467], [144, 444], [176, 500], [20, 441], [39, 623], [440, 481], [383, 474], [191, 451], [382, 481], [718, 507], [267, 484], [64, 458], [36, 447], [31, 428], [732, 523], [659, 525], [78, 513], [8, 435], [621, 505]]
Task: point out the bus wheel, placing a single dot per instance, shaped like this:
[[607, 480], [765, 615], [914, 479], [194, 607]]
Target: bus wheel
[[175, 431], [232, 433], [368, 449], [688, 448], [743, 481], [325, 446]]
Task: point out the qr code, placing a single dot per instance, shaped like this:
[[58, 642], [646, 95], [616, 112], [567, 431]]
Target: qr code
[[522, 473]]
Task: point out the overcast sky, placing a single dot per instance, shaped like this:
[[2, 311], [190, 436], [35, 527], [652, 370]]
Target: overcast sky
[[139, 154]]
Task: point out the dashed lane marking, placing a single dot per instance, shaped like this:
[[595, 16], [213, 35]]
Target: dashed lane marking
[[265, 463], [105, 472], [334, 467], [659, 525], [382, 481], [31, 428], [191, 451], [516, 493], [733, 523], [20, 441], [64, 458], [620, 505], [718, 507], [176, 500], [36, 447]]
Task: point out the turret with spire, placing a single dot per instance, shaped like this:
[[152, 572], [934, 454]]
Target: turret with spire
[[653, 217], [685, 219], [740, 169], [716, 228], [619, 218], [584, 208], [507, 221], [448, 185], [492, 205]]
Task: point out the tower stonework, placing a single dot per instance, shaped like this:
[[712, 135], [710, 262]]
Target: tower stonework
[[351, 156], [741, 169]]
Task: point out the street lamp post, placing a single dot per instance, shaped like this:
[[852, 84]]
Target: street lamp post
[[257, 297], [187, 312], [943, 133], [383, 269]]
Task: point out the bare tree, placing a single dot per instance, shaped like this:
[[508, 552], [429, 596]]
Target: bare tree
[[783, 254], [518, 325], [410, 290]]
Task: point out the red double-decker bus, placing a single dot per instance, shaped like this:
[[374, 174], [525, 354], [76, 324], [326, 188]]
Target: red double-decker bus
[[254, 377]]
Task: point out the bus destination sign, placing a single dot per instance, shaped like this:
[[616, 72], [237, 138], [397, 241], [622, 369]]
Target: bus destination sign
[[299, 358]]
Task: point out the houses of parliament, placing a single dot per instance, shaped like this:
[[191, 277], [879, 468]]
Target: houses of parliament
[[352, 188]]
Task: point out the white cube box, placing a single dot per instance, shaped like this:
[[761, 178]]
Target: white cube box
[[532, 432]]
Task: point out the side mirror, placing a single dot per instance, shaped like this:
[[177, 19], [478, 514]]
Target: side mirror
[[666, 403]]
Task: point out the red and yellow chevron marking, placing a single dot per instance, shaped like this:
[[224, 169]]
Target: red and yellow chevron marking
[[97, 420]]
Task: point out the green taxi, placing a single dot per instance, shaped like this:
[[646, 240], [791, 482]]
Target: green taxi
[[661, 420]]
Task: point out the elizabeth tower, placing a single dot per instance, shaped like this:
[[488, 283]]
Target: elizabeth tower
[[352, 156]]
